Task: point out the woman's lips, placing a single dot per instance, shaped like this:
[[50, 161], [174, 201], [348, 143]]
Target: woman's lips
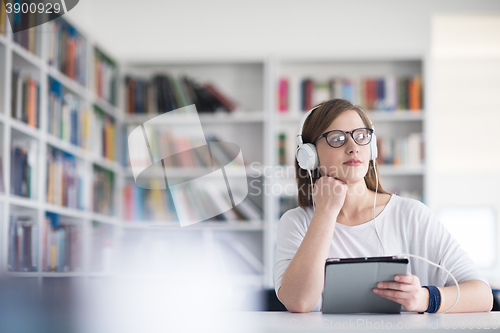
[[353, 163]]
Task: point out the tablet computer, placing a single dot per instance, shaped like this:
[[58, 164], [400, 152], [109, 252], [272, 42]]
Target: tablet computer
[[349, 284]]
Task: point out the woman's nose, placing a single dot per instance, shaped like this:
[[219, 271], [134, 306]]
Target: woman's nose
[[351, 146]]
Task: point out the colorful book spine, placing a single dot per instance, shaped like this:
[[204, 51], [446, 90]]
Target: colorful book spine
[[25, 104], [27, 38], [105, 77], [62, 244], [104, 138], [282, 149], [64, 179], [157, 205], [22, 166], [66, 118], [104, 127], [67, 50], [148, 204], [283, 95], [22, 244], [103, 185]]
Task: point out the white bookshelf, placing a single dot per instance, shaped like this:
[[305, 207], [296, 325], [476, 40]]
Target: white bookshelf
[[254, 127], [14, 56]]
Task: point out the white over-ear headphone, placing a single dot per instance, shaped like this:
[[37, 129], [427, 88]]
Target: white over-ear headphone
[[306, 153]]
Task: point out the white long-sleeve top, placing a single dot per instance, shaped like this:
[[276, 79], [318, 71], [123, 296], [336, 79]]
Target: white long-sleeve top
[[404, 225]]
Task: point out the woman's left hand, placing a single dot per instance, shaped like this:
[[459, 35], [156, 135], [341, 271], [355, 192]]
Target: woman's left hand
[[405, 290]]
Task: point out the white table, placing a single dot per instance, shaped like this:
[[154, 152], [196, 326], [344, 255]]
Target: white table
[[407, 322]]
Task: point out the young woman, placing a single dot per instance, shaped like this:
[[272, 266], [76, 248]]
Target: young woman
[[335, 218]]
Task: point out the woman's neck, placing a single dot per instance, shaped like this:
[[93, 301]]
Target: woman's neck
[[358, 198]]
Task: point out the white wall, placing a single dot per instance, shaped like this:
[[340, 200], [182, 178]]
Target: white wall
[[156, 30], [464, 116]]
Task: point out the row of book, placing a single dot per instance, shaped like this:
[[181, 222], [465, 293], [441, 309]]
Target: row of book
[[25, 104], [167, 92], [29, 38], [105, 77], [383, 93], [104, 139], [22, 244], [66, 118], [22, 168], [147, 204], [64, 179], [67, 50], [62, 242], [193, 153], [407, 150], [157, 205], [103, 190]]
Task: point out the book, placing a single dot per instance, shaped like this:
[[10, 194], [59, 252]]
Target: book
[[283, 95], [105, 77], [25, 103], [104, 140], [67, 50], [23, 159], [103, 190], [28, 37], [22, 248], [387, 93], [64, 179], [62, 244], [404, 150], [282, 160], [165, 92]]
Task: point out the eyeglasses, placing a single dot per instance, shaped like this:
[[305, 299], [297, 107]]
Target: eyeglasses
[[337, 138]]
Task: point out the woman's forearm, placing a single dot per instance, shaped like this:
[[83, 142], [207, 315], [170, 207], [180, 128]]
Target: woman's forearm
[[475, 296], [302, 282]]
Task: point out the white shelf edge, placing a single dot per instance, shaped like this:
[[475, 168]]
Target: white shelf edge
[[35, 60], [207, 118], [70, 84], [222, 225]]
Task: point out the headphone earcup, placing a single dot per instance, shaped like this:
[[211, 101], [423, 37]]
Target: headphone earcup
[[307, 156], [373, 147]]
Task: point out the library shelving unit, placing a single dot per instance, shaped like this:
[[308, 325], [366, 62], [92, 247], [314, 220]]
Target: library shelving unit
[[55, 113], [236, 241], [75, 133]]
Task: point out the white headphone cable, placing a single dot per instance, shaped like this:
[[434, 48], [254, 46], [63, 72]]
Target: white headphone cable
[[310, 177], [439, 266], [374, 205]]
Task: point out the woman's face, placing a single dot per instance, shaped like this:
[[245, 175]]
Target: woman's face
[[334, 161]]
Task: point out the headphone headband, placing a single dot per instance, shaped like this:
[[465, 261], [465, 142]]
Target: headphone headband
[[301, 125]]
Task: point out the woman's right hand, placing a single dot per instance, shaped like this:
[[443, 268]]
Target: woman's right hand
[[329, 194]]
